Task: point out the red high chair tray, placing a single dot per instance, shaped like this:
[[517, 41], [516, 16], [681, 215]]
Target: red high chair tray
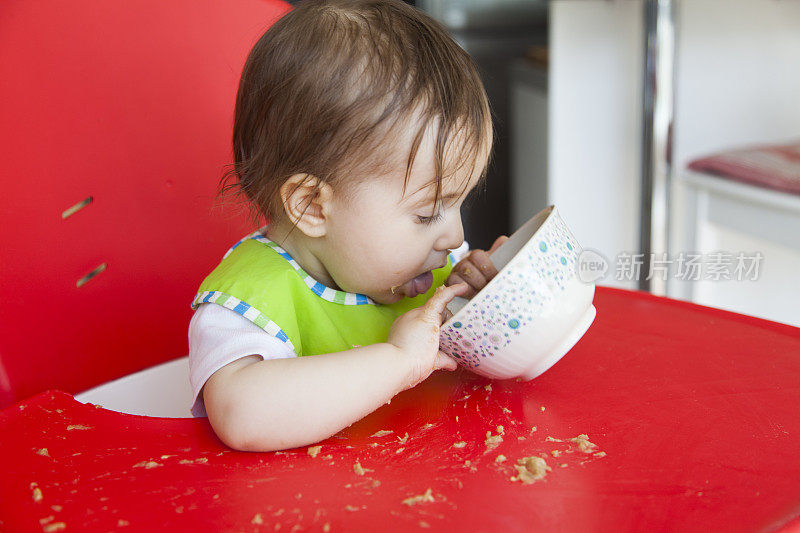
[[696, 412]]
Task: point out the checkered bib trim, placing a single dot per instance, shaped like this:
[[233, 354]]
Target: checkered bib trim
[[326, 293], [247, 311]]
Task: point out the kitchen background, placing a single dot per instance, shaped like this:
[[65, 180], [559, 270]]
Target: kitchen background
[[566, 80]]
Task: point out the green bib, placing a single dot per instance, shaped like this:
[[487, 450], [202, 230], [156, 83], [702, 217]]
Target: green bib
[[260, 281]]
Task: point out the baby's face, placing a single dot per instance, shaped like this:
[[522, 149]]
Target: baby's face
[[384, 243]]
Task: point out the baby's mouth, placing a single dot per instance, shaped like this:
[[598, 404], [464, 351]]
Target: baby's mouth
[[419, 285]]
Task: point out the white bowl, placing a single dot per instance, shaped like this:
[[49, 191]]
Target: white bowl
[[529, 315]]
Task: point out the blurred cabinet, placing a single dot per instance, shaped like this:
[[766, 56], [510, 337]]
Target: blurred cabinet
[[529, 126], [736, 219]]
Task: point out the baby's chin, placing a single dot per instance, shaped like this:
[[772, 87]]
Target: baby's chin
[[394, 294], [384, 297], [387, 298]]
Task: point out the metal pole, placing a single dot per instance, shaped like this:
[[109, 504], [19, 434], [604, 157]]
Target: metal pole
[[657, 130]]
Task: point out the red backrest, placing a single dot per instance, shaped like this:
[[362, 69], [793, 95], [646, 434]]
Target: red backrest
[[129, 103]]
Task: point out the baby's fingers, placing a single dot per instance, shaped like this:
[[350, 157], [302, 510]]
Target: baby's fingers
[[444, 361], [498, 242], [480, 259], [467, 270], [435, 307], [455, 278]]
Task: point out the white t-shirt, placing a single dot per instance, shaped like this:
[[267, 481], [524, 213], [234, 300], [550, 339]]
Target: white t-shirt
[[219, 336]]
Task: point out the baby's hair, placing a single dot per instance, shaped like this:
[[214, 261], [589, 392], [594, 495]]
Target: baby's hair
[[325, 89]]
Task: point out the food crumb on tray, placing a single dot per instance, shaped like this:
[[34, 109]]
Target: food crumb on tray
[[492, 441], [530, 469], [427, 497], [360, 470], [149, 464], [314, 450], [583, 443], [36, 492]]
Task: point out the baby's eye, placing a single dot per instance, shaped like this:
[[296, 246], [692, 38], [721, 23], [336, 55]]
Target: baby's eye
[[429, 220]]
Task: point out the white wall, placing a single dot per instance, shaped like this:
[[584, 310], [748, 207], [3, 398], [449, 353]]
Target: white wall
[[738, 75], [595, 115], [737, 82]]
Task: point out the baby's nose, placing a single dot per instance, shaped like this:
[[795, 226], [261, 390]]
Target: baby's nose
[[452, 235]]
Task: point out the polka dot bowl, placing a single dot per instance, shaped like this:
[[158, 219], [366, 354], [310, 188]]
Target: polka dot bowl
[[529, 315]]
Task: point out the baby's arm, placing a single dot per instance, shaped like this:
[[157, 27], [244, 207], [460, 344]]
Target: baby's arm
[[264, 405]]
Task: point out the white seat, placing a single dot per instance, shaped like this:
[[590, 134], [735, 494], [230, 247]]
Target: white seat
[[161, 391]]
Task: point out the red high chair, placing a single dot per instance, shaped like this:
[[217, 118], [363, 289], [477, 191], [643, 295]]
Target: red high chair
[[116, 129], [116, 123]]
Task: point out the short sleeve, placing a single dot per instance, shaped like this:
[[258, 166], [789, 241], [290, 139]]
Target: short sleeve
[[218, 336]]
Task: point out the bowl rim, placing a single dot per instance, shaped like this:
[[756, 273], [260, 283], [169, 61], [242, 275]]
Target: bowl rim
[[550, 216]]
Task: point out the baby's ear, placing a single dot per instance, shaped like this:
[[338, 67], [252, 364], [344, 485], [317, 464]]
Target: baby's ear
[[305, 201]]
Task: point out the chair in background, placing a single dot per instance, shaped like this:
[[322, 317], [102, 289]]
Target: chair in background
[[746, 201]]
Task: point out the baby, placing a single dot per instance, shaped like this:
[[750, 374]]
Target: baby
[[360, 127]]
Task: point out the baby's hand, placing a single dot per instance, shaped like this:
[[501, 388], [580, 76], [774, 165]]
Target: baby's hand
[[416, 334], [475, 269]]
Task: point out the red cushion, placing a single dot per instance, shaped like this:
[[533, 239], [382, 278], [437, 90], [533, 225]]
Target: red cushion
[[129, 103], [772, 167]]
